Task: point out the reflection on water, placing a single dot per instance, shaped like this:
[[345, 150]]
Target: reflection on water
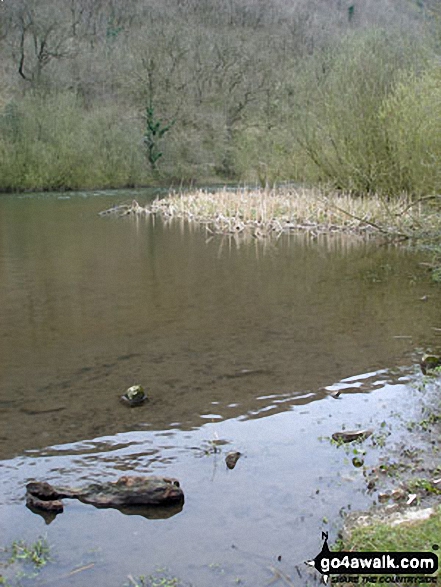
[[148, 512], [290, 484], [91, 305], [239, 347]]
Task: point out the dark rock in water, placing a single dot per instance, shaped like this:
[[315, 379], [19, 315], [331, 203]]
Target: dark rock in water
[[43, 491], [134, 396], [232, 458], [48, 506], [53, 505], [358, 462], [126, 492], [351, 435], [429, 363]]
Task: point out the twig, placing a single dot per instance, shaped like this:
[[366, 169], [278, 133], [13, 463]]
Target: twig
[[67, 575], [364, 221], [412, 204], [278, 574], [84, 568]]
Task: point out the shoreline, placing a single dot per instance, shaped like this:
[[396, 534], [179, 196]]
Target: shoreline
[[407, 515]]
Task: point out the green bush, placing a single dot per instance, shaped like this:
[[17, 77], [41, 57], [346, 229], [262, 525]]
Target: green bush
[[53, 142], [342, 125], [361, 113], [411, 116]]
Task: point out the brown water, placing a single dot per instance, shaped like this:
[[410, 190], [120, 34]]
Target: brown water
[[233, 342]]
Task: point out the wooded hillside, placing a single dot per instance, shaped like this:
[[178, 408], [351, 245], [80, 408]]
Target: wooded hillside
[[98, 93]]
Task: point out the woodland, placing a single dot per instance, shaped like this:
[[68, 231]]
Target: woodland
[[104, 93]]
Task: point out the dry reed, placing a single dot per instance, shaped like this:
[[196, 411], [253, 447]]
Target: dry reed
[[262, 212]]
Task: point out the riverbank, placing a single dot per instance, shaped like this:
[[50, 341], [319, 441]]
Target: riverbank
[[397, 465], [413, 531], [407, 517]]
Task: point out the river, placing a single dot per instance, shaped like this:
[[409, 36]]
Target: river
[[237, 345]]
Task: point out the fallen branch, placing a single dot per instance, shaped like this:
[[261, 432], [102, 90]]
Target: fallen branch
[[412, 204], [370, 223], [124, 209]]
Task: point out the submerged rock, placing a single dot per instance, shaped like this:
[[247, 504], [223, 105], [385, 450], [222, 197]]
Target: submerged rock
[[134, 396], [127, 491], [351, 435], [358, 461]]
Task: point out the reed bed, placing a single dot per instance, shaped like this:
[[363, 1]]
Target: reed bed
[[262, 212]]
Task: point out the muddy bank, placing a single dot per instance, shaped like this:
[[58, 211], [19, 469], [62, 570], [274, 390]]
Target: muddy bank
[[407, 480]]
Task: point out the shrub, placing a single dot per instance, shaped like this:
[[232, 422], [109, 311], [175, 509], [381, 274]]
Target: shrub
[[411, 117], [342, 128], [52, 142]]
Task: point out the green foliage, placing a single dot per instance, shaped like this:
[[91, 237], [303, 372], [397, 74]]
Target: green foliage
[[436, 275], [376, 125], [433, 418], [422, 485], [51, 142], [344, 132], [24, 561], [355, 116], [154, 132], [328, 99], [420, 536], [36, 553], [161, 579], [411, 117], [113, 30]]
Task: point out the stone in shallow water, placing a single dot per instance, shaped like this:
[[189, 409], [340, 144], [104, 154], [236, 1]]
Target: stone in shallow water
[[232, 458], [351, 435], [126, 492], [134, 396], [429, 363], [358, 462], [53, 505]]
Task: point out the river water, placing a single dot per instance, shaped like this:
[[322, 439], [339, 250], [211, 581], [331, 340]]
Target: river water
[[236, 343]]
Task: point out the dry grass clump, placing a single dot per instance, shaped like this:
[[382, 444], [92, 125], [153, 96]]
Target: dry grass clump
[[262, 212]]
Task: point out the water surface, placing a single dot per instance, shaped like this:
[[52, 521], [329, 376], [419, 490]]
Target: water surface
[[236, 342]]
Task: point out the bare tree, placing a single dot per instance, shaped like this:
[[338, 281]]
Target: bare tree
[[40, 34]]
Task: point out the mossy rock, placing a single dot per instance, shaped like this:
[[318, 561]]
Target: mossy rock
[[134, 396], [429, 363]]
